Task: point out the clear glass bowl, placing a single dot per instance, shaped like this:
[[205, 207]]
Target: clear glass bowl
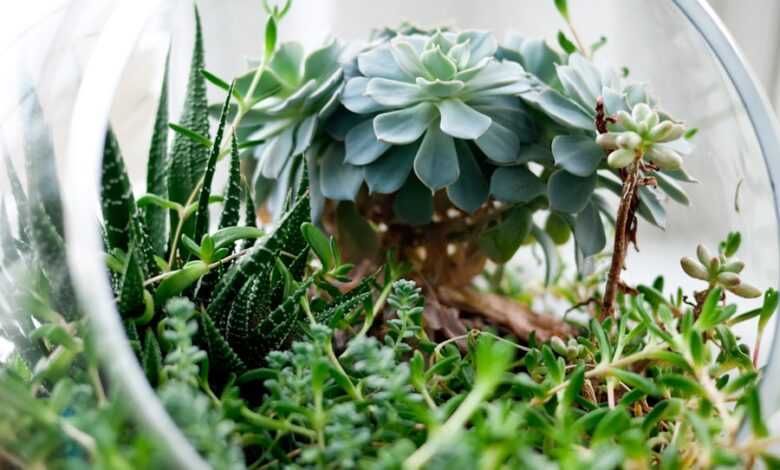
[[108, 60]]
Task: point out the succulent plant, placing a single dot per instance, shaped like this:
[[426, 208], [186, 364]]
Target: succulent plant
[[420, 102], [722, 270], [642, 137], [295, 94], [574, 94]]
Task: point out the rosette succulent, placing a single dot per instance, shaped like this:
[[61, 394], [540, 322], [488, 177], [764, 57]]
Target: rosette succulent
[[577, 96], [642, 137], [722, 270], [438, 104], [295, 94]]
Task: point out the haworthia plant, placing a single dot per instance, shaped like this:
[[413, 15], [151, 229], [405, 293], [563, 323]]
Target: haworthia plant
[[188, 157]]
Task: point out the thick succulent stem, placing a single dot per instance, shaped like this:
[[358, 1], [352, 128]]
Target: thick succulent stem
[[622, 238]]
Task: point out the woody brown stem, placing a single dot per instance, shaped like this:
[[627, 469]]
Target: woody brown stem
[[623, 225]]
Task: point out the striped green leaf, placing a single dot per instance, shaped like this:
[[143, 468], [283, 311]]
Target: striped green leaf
[[156, 172], [188, 158]]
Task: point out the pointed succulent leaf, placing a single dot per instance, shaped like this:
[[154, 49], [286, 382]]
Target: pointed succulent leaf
[[50, 252], [152, 358], [232, 207], [202, 215], [345, 304], [20, 200], [188, 158], [116, 195], [131, 287], [220, 351], [157, 172], [42, 182]]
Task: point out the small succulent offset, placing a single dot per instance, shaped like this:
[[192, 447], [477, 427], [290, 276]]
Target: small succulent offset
[[721, 270], [642, 136]]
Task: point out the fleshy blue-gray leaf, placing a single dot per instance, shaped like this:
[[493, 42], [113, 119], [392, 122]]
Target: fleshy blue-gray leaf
[[579, 155], [414, 203], [339, 180], [568, 192], [471, 189], [501, 241], [387, 174], [406, 125], [461, 121], [515, 184], [362, 146], [499, 143], [436, 162], [589, 231]]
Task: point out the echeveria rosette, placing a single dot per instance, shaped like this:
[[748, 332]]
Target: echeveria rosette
[[440, 105], [296, 94]]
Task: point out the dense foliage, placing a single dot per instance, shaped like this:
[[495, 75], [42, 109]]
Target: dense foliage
[[264, 350]]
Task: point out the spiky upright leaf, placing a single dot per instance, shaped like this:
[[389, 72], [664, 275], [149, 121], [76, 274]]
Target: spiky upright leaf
[[341, 306], [250, 214], [152, 358], [202, 216], [286, 237], [116, 195], [275, 329], [232, 204], [42, 182], [139, 235], [7, 241], [188, 158], [220, 351], [133, 338], [20, 198], [131, 287], [157, 172], [238, 321], [50, 253]]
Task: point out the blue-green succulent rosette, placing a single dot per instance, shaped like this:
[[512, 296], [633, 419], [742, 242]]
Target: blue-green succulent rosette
[[295, 96], [425, 113], [567, 89]]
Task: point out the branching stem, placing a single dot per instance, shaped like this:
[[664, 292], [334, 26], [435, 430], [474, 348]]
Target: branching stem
[[622, 238]]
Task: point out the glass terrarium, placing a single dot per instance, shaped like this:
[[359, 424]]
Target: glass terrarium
[[112, 61]]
